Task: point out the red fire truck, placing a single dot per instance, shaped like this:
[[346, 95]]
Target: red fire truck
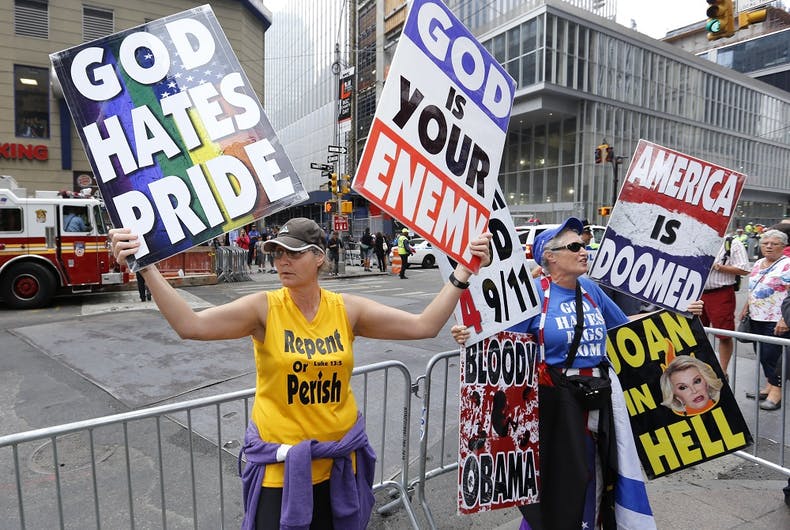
[[52, 242]]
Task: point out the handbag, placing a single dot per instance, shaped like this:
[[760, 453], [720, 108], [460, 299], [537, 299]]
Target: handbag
[[591, 392], [745, 326]]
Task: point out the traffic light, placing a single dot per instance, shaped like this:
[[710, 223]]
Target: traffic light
[[604, 210], [345, 184], [346, 207], [330, 206], [333, 183], [602, 153], [721, 19], [751, 17], [609, 153]]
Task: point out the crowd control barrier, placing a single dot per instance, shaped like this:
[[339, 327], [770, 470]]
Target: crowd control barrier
[[175, 465], [439, 437], [231, 265]]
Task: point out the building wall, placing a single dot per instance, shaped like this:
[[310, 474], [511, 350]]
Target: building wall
[[301, 89], [244, 30]]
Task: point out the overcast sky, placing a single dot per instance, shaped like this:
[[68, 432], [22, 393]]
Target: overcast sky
[[657, 17]]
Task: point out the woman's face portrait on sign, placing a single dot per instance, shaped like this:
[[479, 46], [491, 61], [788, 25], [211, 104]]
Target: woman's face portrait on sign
[[689, 386]]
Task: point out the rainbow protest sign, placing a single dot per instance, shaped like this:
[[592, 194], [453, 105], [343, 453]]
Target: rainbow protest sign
[[178, 140]]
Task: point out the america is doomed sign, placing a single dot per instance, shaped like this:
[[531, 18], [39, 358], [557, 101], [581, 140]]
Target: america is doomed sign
[[178, 140], [667, 226]]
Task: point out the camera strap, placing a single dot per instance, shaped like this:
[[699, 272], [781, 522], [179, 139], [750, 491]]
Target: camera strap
[[577, 329]]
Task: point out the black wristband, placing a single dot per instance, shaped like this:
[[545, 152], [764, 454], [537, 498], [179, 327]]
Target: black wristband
[[456, 282]]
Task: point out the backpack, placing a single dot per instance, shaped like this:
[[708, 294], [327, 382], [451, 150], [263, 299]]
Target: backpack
[[727, 247]]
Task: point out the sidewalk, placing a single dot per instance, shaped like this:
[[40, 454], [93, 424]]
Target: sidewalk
[[708, 496]]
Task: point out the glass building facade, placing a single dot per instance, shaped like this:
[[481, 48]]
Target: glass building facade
[[582, 80], [300, 95]]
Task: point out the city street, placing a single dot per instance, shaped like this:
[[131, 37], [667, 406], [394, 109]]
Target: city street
[[101, 354]]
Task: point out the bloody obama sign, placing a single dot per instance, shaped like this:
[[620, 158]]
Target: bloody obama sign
[[178, 140]]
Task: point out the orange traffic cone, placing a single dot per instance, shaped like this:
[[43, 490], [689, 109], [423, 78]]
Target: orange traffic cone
[[396, 262]]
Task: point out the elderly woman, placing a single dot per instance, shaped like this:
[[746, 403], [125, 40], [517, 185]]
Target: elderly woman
[[768, 284], [306, 432], [579, 478]]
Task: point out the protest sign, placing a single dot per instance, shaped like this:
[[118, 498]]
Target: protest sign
[[433, 154], [179, 142], [667, 226], [498, 441], [502, 294], [681, 408]]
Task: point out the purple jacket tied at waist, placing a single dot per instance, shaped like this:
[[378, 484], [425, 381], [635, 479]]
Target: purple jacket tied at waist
[[351, 495]]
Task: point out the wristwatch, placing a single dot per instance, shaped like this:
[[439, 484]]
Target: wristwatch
[[458, 283]]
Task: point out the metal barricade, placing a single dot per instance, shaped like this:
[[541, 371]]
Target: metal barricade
[[777, 460], [440, 439], [440, 362], [352, 254], [232, 264], [175, 465]]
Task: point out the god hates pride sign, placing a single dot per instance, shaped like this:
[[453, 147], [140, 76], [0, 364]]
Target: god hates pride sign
[[176, 136], [433, 153], [667, 226]]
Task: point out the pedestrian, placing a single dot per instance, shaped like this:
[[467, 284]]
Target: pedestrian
[[142, 288], [333, 251], [582, 484], [724, 280], [302, 338], [243, 241], [365, 248], [404, 251], [254, 236], [260, 255], [380, 247], [768, 285]]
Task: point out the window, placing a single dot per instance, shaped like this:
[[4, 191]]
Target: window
[[10, 219], [31, 18], [96, 23], [75, 219], [31, 101]]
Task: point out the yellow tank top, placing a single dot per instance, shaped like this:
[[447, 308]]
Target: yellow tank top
[[302, 388]]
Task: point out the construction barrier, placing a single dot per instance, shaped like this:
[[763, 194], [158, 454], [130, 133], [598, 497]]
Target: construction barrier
[[396, 261]]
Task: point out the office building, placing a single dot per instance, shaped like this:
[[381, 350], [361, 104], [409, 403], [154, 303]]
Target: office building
[[582, 79]]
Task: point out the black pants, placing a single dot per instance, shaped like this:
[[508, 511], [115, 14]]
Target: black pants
[[381, 257], [404, 258], [142, 288], [270, 503]]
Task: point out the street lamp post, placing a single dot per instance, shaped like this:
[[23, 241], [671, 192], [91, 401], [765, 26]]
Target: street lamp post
[[336, 68]]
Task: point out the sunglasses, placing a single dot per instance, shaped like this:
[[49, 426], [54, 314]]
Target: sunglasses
[[573, 247], [292, 254]]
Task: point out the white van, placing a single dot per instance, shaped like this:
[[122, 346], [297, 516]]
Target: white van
[[528, 233]]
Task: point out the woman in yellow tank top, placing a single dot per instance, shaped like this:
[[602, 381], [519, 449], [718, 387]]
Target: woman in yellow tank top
[[303, 337]]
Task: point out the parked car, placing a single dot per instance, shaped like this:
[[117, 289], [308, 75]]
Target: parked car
[[424, 253], [528, 233]]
